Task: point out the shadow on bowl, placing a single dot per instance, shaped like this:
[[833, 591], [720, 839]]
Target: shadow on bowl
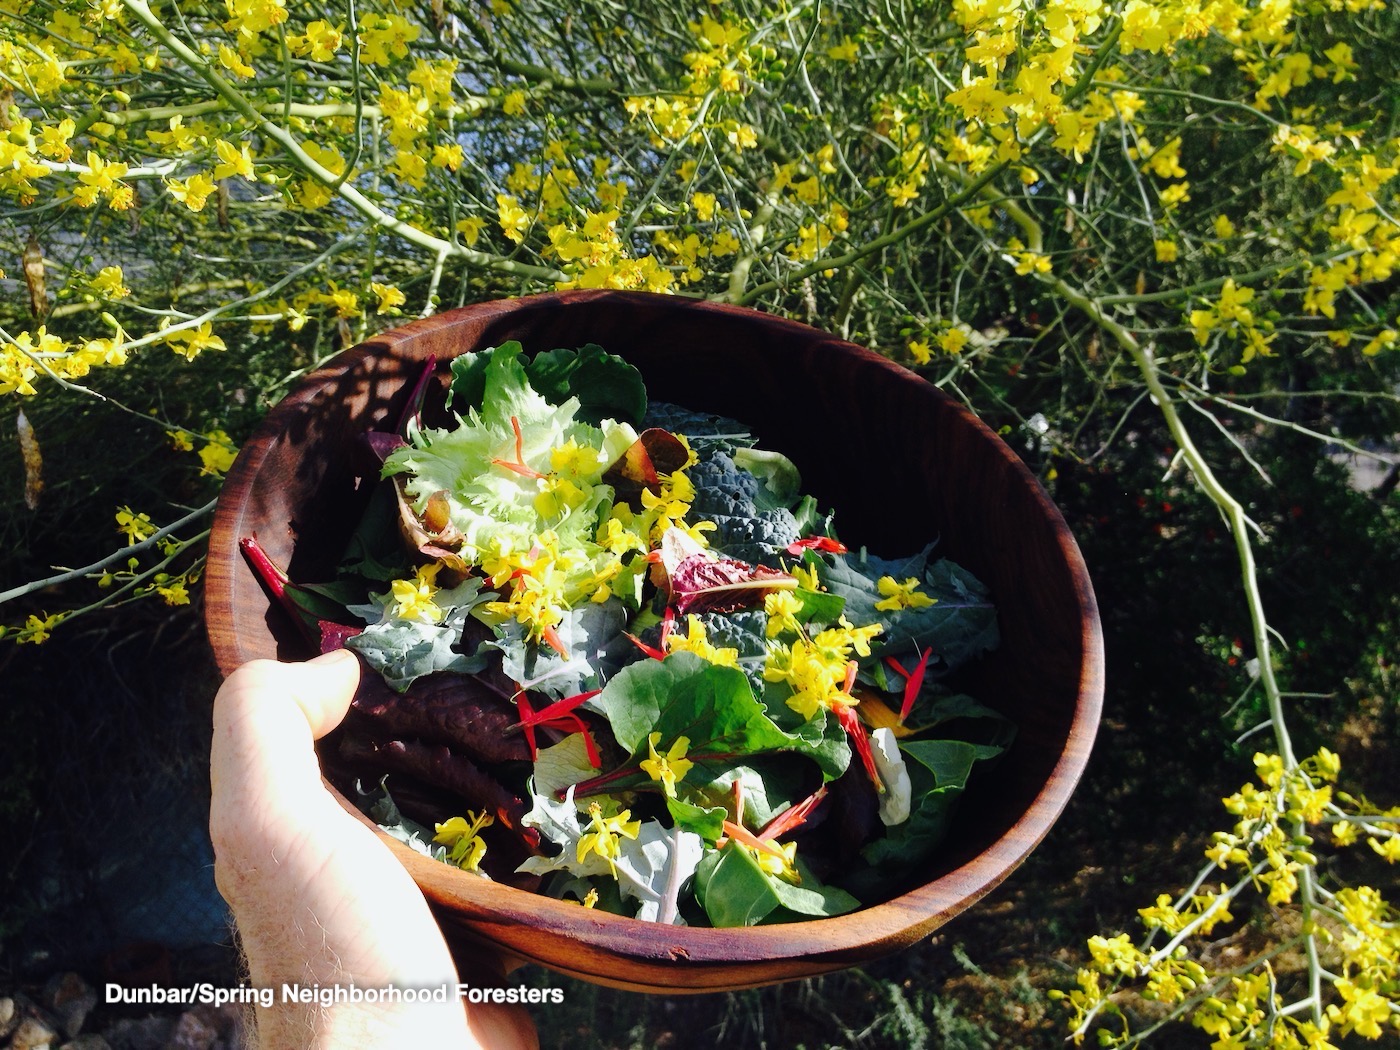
[[899, 462]]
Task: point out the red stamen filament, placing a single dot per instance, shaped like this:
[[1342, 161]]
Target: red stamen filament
[[561, 716], [846, 716], [519, 466], [650, 650], [554, 710], [742, 834], [792, 817], [912, 685]]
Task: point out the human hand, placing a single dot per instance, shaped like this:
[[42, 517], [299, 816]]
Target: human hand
[[317, 898]]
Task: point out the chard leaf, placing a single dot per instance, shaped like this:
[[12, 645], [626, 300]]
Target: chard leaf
[[735, 891], [705, 821], [938, 774], [770, 783], [714, 707], [895, 800], [959, 626], [559, 767], [810, 897]]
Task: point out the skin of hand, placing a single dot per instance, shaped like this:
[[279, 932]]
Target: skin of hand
[[317, 898]]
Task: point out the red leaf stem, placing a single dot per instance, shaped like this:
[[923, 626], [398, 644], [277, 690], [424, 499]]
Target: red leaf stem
[[414, 409]]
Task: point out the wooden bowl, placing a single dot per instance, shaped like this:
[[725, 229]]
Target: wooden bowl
[[899, 461]]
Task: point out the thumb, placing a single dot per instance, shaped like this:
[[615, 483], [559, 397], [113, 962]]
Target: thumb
[[267, 716]]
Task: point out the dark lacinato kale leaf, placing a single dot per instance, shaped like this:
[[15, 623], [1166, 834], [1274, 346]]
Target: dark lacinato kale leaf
[[704, 430], [959, 626], [730, 496], [742, 631]]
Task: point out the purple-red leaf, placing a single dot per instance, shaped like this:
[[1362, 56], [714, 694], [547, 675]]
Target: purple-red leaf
[[654, 453], [698, 580]]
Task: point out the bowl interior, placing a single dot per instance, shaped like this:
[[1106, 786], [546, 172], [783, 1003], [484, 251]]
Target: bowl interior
[[898, 461]]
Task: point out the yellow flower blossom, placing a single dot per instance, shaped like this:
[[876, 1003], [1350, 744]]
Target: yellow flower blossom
[[450, 156], [192, 192], [604, 834], [38, 629], [696, 641], [514, 219], [670, 768], [135, 527], [320, 42], [462, 837], [899, 596], [413, 598], [389, 297], [218, 453], [233, 160], [470, 228], [781, 608], [102, 178], [110, 283], [953, 340], [189, 343], [232, 61]]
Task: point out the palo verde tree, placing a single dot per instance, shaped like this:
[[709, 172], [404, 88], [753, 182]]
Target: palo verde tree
[[1187, 203]]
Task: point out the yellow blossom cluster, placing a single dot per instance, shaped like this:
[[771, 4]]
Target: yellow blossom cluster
[[718, 70], [1267, 848], [28, 356], [817, 668]]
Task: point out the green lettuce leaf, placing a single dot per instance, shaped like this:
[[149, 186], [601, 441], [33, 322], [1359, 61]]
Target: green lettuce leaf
[[605, 385]]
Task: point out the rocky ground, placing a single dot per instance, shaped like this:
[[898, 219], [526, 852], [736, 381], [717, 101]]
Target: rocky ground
[[68, 1011]]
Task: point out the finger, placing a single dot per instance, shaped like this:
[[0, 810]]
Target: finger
[[322, 688], [266, 718]]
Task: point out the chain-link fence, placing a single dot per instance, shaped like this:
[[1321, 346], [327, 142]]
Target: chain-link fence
[[104, 743]]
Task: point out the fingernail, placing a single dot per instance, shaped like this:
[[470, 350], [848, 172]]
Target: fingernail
[[333, 657]]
